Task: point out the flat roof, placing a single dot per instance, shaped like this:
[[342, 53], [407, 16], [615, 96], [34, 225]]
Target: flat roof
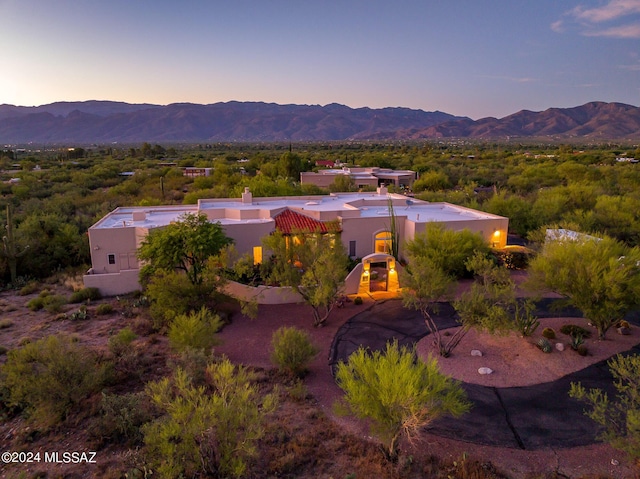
[[368, 204]]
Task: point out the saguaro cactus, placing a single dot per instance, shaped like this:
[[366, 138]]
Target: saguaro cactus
[[10, 247]]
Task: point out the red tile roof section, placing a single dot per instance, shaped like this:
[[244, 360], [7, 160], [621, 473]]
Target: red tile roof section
[[289, 222]]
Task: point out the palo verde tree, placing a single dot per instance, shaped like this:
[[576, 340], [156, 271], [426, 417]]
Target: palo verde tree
[[619, 416], [313, 264], [184, 245], [435, 259], [599, 276], [399, 393]]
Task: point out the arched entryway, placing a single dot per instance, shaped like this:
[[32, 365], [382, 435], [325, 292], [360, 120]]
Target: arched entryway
[[379, 273]]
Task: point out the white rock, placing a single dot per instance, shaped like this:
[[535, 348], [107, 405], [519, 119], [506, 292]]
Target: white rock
[[560, 346], [614, 462], [475, 352], [485, 370]]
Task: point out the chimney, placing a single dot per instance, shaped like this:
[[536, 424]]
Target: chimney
[[247, 197], [382, 190]]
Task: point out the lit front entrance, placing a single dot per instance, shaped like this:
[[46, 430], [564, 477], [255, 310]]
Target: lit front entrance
[[378, 273]]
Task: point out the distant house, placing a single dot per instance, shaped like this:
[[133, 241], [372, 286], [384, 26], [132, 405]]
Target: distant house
[[326, 163], [624, 159], [362, 177], [360, 221], [193, 172]]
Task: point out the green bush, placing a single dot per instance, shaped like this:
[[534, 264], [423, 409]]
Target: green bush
[[618, 415], [104, 308], [120, 343], [549, 333], [122, 416], [357, 300], [85, 294], [50, 377], [51, 303], [171, 294], [29, 288], [36, 304], [195, 330], [574, 330], [3, 350], [292, 350], [207, 428]]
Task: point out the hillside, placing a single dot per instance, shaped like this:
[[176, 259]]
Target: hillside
[[117, 122], [595, 120], [102, 122]]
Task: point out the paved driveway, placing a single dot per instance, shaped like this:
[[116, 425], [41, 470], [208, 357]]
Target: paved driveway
[[531, 417]]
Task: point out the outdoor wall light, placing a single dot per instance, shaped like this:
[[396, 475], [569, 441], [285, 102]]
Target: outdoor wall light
[[496, 233]]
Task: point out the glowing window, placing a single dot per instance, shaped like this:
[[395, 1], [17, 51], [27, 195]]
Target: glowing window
[[383, 242]]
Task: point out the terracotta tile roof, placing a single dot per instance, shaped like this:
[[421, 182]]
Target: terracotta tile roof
[[291, 222]]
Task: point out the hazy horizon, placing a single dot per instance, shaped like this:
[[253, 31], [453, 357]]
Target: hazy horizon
[[466, 58]]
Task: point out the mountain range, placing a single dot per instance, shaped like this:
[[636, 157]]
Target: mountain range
[[109, 122]]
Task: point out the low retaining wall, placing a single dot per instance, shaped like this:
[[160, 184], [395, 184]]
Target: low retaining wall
[[262, 294], [112, 284]]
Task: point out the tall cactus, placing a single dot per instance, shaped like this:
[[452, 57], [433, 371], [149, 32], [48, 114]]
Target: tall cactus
[[10, 248]]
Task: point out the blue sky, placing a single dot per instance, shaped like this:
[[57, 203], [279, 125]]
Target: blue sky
[[466, 57]]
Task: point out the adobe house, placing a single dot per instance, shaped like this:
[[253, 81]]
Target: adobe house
[[362, 222]]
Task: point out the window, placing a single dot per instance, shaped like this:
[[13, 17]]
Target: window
[[352, 248], [111, 258], [383, 242]]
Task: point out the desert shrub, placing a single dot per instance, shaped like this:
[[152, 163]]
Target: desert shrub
[[622, 324], [120, 343], [194, 363], [3, 350], [50, 377], [5, 323], [51, 302], [210, 430], [29, 288], [122, 416], [195, 330], [620, 415], [544, 345], [549, 333], [172, 294], [36, 304], [104, 308], [357, 300], [292, 350], [85, 294], [574, 330]]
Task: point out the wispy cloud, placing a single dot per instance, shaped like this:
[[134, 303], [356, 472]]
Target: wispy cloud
[[632, 68], [511, 79], [590, 20], [613, 10], [623, 31]]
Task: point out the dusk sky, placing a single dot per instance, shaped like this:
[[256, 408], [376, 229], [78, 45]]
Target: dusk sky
[[475, 58]]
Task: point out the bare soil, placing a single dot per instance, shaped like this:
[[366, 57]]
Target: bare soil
[[306, 439]]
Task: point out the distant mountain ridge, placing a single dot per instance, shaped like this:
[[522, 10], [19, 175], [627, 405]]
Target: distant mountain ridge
[[108, 122], [594, 120], [105, 122]]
